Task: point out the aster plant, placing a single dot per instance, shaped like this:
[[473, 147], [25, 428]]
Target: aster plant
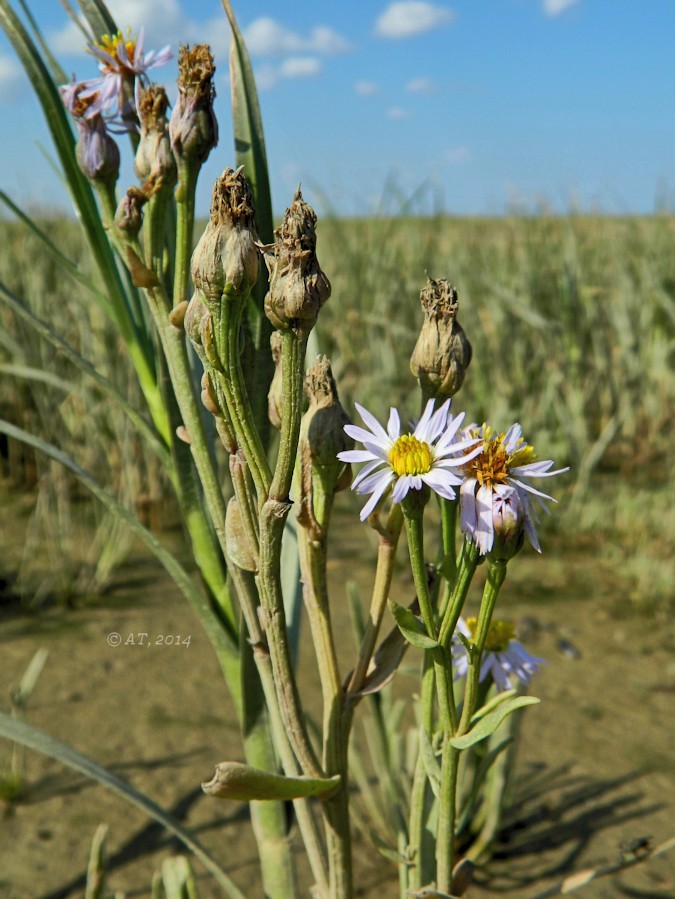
[[217, 338]]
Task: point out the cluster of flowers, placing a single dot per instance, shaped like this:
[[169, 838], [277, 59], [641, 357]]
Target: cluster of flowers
[[108, 103], [492, 470], [498, 504]]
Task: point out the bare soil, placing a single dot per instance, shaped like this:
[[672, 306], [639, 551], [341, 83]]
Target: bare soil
[[595, 770]]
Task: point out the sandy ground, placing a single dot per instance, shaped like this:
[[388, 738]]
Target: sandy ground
[[596, 769]]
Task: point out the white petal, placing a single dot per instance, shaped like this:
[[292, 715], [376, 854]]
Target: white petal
[[370, 483], [376, 497], [356, 456], [441, 482], [365, 471], [394, 424], [374, 425], [401, 488], [422, 425]]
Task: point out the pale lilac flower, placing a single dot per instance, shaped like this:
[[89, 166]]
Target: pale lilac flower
[[497, 493], [121, 62], [408, 461], [504, 659], [97, 153]]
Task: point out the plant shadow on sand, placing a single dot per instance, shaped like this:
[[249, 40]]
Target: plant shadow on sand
[[554, 819]]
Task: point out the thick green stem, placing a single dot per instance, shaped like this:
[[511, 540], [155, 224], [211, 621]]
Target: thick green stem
[[422, 844], [452, 608], [185, 219]]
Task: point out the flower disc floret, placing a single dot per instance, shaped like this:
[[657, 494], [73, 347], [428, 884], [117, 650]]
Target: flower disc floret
[[404, 462]]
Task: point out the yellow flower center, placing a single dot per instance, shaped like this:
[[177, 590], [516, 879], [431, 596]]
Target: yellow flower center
[[499, 636], [494, 464], [410, 456], [110, 42]]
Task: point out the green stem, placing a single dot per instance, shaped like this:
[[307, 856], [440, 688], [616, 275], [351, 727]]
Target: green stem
[[452, 607], [450, 760], [422, 844], [185, 219], [272, 518]]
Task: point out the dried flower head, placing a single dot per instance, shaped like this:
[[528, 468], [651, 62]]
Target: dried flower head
[[225, 260], [442, 353], [129, 214], [298, 287], [154, 163], [193, 127]]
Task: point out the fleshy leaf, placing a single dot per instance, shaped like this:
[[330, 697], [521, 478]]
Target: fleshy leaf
[[234, 780]]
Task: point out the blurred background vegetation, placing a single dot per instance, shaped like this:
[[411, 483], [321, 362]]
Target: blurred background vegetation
[[572, 322]]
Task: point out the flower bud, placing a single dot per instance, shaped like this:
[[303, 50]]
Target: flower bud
[[192, 323], [238, 544], [274, 396], [97, 153], [193, 127], [154, 164], [225, 260], [322, 437], [508, 521], [129, 214], [442, 352], [298, 287]]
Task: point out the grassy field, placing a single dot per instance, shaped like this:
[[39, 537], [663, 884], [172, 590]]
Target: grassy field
[[572, 322]]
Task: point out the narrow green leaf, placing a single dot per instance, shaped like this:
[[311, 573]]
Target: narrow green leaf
[[98, 16], [234, 780], [496, 700], [27, 735], [412, 627], [57, 72], [490, 722]]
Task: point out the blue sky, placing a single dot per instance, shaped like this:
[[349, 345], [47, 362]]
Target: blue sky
[[480, 107]]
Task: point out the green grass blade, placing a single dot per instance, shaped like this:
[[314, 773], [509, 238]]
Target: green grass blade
[[59, 125], [29, 373], [249, 145], [221, 641], [98, 16], [57, 72], [31, 737], [106, 386]]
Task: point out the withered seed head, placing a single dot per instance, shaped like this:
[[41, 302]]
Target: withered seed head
[[193, 128], [129, 214], [442, 352], [225, 260], [324, 422], [298, 287], [154, 163]]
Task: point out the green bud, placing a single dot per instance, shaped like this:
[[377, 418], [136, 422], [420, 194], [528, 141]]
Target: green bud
[[238, 545], [508, 521], [298, 287], [225, 260], [154, 164], [442, 352]]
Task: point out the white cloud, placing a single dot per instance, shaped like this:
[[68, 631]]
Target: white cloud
[[268, 76], [267, 37], [397, 112], [300, 67], [555, 7], [365, 88], [164, 22], [12, 81], [421, 86], [411, 17]]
